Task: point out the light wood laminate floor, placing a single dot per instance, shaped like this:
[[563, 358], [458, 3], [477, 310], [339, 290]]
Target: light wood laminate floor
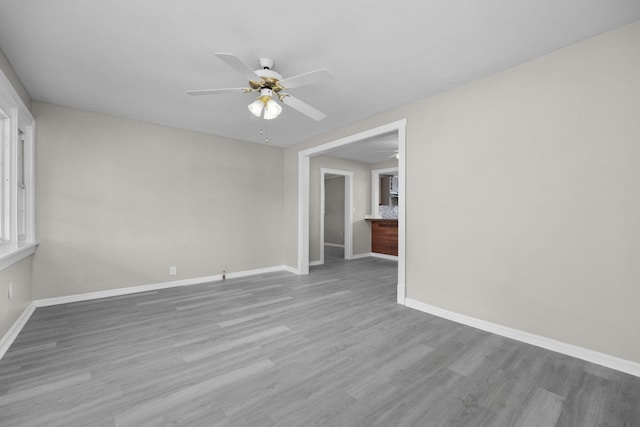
[[332, 348]]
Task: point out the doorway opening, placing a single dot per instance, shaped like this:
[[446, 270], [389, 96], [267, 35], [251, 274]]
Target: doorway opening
[[304, 156], [336, 216]]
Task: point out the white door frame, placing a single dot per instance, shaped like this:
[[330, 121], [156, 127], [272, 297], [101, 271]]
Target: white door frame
[[348, 211], [303, 195]]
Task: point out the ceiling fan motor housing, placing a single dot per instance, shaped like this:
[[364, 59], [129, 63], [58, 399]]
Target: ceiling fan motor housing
[[270, 78], [268, 74], [266, 63]]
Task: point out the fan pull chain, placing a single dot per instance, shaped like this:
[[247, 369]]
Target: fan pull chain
[[265, 132]]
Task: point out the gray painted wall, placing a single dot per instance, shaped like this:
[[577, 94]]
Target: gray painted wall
[[120, 201], [18, 274], [391, 163], [523, 195]]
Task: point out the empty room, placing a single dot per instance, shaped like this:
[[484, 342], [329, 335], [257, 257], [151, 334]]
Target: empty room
[[298, 214]]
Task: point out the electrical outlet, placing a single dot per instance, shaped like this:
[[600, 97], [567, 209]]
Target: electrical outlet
[[10, 291], [173, 270]]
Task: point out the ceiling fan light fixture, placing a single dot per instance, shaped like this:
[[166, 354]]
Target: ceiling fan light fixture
[[265, 103], [256, 107], [272, 110]]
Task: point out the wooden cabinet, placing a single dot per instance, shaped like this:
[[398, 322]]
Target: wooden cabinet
[[384, 236]]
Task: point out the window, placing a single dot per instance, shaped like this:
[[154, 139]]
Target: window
[[17, 238], [22, 189], [5, 145]]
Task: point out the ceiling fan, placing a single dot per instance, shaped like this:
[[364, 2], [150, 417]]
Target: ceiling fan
[[270, 85], [395, 153]]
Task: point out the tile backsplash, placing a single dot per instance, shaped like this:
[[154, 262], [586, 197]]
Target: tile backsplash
[[388, 211]]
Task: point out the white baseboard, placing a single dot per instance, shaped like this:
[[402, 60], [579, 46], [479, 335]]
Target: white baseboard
[[12, 333], [358, 256], [153, 287], [364, 255], [607, 360], [291, 269], [384, 256], [333, 245]]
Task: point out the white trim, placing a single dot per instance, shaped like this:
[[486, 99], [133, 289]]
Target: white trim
[[348, 217], [348, 211], [321, 219], [29, 170], [303, 217], [375, 189], [153, 286], [5, 176], [359, 256], [16, 254], [290, 269], [8, 95], [303, 195], [376, 255], [13, 181], [384, 256], [402, 212], [333, 245], [592, 356], [14, 330]]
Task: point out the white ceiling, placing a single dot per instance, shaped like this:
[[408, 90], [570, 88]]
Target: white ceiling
[[371, 150], [136, 58]]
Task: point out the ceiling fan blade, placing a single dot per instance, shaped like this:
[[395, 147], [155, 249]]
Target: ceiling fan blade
[[218, 91], [312, 77], [303, 107], [240, 67]]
